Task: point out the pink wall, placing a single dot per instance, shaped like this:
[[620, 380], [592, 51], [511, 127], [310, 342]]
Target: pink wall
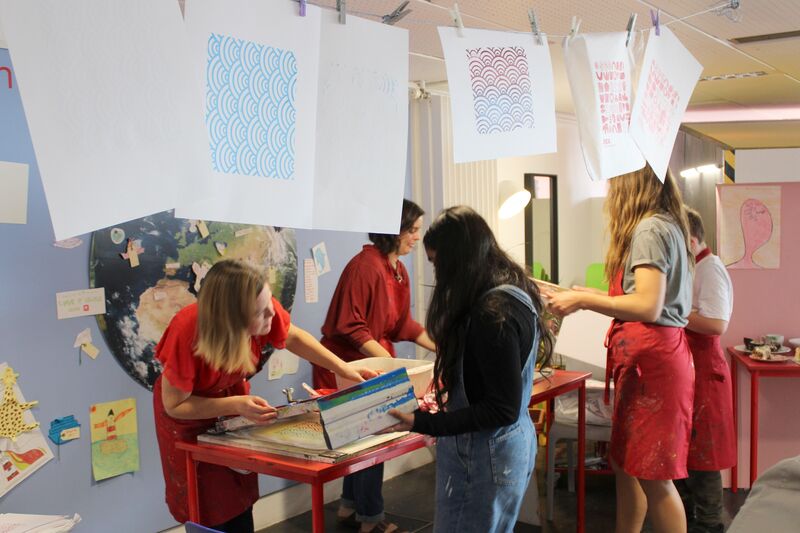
[[768, 301]]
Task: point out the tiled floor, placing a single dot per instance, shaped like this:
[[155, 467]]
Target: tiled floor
[[409, 503]]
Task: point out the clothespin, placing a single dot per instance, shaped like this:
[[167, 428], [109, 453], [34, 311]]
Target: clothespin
[[456, 14], [535, 25], [631, 25], [576, 25], [655, 15], [341, 7], [392, 18], [302, 8]]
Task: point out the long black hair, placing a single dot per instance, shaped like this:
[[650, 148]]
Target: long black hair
[[386, 243], [468, 262]]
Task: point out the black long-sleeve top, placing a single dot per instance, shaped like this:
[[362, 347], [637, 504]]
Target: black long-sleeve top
[[496, 351]]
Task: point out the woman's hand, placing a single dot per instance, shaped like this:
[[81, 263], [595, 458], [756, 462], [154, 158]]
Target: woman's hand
[[564, 303], [356, 373], [590, 290], [255, 409], [406, 421]]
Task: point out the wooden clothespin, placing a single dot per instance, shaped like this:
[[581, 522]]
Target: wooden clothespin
[[392, 18], [303, 8], [655, 15], [132, 251], [535, 26], [341, 7], [576, 25], [631, 25], [456, 14]]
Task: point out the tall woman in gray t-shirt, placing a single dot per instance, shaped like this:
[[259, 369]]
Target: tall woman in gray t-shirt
[[649, 298]]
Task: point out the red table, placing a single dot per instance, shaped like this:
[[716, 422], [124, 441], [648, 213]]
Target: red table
[[314, 473], [562, 382], [757, 370]]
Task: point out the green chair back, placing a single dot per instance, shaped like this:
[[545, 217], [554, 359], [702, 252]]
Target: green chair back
[[596, 276]]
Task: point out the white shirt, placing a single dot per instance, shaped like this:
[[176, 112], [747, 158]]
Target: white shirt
[[712, 291]]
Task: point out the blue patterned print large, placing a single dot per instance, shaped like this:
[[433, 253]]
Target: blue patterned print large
[[250, 111]]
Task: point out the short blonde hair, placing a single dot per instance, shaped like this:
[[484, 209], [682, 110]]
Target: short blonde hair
[[225, 307]]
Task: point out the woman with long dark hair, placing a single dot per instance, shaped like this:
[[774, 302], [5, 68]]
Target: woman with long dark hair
[[650, 297], [485, 317]]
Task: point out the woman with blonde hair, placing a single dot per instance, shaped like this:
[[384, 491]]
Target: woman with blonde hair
[[209, 351], [650, 297]]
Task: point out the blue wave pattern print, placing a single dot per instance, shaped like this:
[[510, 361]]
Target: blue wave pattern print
[[501, 89], [250, 107]]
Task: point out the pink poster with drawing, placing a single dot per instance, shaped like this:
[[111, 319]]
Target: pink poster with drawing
[[666, 82], [599, 69], [749, 226]]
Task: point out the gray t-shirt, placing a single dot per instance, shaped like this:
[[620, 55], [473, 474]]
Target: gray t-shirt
[[658, 242]]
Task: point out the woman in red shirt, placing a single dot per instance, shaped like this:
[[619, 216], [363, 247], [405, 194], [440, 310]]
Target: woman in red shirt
[[369, 311], [209, 351]]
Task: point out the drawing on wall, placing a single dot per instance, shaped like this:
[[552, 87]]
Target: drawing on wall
[[250, 97], [140, 302], [501, 88], [668, 76], [599, 71], [501, 94], [115, 438], [749, 226], [23, 449]]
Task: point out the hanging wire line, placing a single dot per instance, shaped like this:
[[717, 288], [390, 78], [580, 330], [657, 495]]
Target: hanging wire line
[[728, 8]]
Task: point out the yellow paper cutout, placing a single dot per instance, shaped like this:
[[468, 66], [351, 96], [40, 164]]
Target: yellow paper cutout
[[11, 410]]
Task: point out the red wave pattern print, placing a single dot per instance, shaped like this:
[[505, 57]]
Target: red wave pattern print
[[501, 89]]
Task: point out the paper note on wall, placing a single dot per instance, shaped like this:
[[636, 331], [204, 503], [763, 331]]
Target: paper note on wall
[[115, 438], [501, 94], [666, 82], [321, 259], [310, 281], [13, 193], [749, 226], [85, 302], [282, 362], [599, 71], [23, 448]]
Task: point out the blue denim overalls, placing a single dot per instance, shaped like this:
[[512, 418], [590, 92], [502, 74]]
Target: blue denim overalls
[[482, 476]]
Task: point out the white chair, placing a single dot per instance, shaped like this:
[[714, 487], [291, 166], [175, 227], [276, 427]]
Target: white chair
[[565, 427]]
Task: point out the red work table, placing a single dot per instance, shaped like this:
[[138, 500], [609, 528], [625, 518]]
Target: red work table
[[546, 389], [314, 473], [757, 370]]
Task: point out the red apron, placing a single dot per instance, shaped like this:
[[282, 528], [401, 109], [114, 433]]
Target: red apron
[[224, 494], [713, 445], [653, 390]]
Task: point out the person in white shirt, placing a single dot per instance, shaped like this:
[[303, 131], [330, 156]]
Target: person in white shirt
[[713, 444]]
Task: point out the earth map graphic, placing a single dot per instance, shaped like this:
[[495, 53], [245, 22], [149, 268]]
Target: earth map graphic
[[141, 301]]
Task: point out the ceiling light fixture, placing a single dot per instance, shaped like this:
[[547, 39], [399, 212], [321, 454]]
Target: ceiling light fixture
[[741, 114], [736, 76]]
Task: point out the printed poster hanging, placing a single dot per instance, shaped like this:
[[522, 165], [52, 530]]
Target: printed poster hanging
[[115, 438], [749, 225], [23, 448], [667, 79], [501, 94], [599, 69]]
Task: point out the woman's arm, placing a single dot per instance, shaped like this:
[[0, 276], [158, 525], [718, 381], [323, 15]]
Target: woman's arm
[[643, 305], [184, 405], [425, 341], [303, 344], [373, 348]]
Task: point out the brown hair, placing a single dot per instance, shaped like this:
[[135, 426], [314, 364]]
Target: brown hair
[[386, 243], [633, 197], [225, 308], [696, 228]]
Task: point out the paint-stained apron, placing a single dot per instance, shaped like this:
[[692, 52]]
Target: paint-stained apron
[[653, 392], [224, 493], [713, 444]]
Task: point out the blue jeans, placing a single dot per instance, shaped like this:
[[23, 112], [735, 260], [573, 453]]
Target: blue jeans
[[363, 492]]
